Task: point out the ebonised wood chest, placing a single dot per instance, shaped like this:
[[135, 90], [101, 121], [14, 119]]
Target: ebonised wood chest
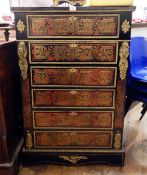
[[73, 66]]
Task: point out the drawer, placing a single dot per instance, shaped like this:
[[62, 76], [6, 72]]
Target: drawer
[[72, 139], [49, 52], [43, 76], [50, 98], [73, 119], [52, 26]]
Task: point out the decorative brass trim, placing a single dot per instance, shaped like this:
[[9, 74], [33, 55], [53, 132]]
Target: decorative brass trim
[[73, 159], [20, 26], [73, 92], [70, 41], [72, 70], [123, 63], [29, 142], [104, 151], [117, 140], [72, 18], [73, 45], [125, 26], [22, 53], [73, 113]]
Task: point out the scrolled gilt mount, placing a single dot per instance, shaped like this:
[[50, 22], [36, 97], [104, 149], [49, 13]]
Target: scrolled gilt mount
[[117, 140], [29, 142], [73, 159], [22, 54], [72, 2], [20, 26], [126, 26], [123, 63]]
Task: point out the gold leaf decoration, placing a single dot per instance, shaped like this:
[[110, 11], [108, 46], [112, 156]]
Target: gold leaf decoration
[[123, 63], [73, 45], [73, 113], [20, 26], [73, 70], [29, 142], [72, 18], [23, 65], [125, 26], [73, 159], [117, 140]]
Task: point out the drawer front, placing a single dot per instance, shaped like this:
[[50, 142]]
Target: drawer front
[[74, 139], [74, 51], [48, 76], [42, 98], [47, 26], [73, 119]]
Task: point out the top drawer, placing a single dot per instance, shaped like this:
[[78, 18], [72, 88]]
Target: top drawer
[[35, 24], [69, 26], [72, 25]]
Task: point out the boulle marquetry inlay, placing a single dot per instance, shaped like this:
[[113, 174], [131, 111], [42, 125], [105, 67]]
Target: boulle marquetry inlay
[[42, 98], [76, 139], [100, 76], [82, 52], [99, 25], [95, 120]]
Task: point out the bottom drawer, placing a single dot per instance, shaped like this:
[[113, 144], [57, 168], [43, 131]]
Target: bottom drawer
[[74, 139]]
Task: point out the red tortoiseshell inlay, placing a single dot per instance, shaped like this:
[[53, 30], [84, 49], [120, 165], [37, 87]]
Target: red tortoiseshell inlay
[[73, 98], [73, 119], [67, 52], [74, 76], [55, 25], [73, 138]]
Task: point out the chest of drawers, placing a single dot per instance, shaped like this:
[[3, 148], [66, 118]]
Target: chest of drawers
[[73, 66]]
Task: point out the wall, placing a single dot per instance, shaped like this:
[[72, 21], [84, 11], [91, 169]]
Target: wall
[[31, 3], [139, 31]]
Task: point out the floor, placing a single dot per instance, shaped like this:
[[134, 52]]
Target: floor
[[135, 133]]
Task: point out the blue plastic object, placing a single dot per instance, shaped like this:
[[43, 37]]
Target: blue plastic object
[[138, 58], [137, 72]]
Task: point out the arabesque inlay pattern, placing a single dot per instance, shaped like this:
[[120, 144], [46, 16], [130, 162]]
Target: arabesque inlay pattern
[[99, 52], [80, 25]]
